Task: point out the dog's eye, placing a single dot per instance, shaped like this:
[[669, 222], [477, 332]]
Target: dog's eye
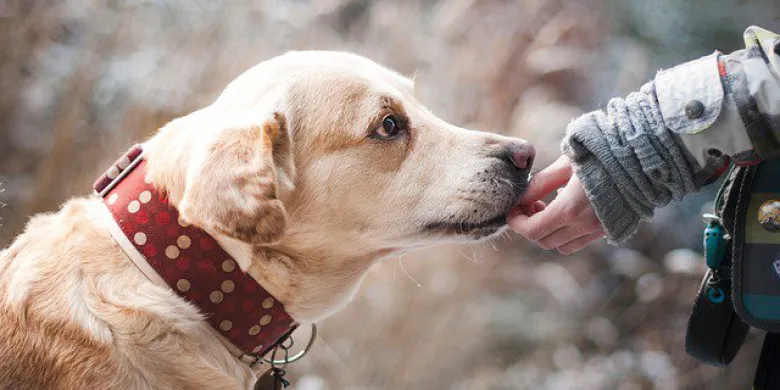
[[389, 128]]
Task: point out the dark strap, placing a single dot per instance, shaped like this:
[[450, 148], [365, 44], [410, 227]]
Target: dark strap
[[715, 333], [726, 200], [768, 370]]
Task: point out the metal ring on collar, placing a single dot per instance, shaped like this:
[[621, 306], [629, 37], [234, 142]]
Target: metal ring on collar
[[298, 355]]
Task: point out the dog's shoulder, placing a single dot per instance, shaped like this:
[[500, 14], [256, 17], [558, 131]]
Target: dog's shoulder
[[76, 313], [41, 348], [39, 354]]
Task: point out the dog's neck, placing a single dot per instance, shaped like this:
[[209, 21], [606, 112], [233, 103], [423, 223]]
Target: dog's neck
[[313, 285], [311, 282]]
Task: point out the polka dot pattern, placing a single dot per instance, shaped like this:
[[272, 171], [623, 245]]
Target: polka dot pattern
[[183, 285], [123, 162], [145, 197], [182, 222], [112, 172], [115, 169], [228, 266], [139, 238], [183, 241], [172, 251], [194, 265], [216, 296]]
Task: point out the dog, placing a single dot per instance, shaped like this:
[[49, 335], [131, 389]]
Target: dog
[[307, 169]]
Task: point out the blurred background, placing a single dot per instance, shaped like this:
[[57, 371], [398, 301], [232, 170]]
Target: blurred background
[[81, 80]]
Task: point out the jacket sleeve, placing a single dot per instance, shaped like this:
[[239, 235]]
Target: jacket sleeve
[[678, 132]]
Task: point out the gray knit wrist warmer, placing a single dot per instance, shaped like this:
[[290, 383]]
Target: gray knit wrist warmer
[[629, 162]]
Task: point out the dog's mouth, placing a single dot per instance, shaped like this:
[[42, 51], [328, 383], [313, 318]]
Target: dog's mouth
[[490, 217], [463, 228]]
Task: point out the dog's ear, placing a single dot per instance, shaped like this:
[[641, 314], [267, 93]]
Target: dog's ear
[[233, 182]]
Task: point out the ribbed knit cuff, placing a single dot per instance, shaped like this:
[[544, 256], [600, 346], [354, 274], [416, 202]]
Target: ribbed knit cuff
[[628, 161], [616, 215]]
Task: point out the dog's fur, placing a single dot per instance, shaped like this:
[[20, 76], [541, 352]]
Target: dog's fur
[[286, 171]]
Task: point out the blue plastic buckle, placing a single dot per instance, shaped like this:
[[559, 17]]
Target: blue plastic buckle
[[714, 241]]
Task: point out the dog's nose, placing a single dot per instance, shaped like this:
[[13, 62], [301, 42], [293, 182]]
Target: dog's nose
[[521, 154]]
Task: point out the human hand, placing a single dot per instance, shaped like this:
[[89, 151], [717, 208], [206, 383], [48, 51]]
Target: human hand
[[568, 223]]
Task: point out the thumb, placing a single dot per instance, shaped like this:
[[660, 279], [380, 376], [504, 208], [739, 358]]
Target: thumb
[[548, 180]]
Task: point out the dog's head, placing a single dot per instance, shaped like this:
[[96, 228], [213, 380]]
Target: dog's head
[[327, 153], [337, 147]]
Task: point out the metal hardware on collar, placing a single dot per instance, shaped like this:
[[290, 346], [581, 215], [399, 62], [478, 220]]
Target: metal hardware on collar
[[273, 361], [278, 367]]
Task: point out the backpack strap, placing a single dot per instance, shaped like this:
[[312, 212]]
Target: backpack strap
[[767, 374]]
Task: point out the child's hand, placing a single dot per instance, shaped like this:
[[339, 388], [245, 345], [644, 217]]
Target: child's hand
[[568, 223]]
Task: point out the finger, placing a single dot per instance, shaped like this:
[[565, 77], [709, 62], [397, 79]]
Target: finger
[[518, 210], [547, 180], [580, 243], [527, 209], [566, 234], [516, 219], [539, 225], [582, 224], [533, 208]]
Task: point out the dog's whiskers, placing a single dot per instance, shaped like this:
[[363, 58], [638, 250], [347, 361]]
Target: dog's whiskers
[[491, 242], [403, 268], [474, 252]]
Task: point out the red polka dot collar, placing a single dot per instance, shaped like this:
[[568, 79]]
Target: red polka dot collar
[[188, 260]]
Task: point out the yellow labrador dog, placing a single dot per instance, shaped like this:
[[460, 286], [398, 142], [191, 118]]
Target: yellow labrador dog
[[307, 169]]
